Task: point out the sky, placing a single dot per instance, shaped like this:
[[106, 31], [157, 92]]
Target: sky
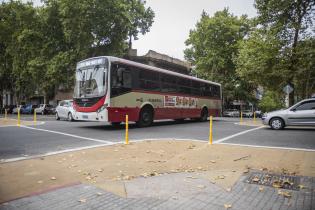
[[175, 18]]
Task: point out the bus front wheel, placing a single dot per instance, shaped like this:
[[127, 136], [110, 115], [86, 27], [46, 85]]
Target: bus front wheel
[[145, 117]]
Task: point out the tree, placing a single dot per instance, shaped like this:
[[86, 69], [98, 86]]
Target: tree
[[212, 47], [140, 19], [289, 21], [20, 43], [271, 101], [40, 46], [261, 60]]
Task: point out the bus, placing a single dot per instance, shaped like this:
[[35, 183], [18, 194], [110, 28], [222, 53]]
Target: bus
[[109, 88]]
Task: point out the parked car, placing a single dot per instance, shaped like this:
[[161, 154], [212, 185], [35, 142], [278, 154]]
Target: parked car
[[302, 113], [258, 113], [247, 113], [65, 110], [28, 109], [231, 113], [16, 108], [45, 109], [9, 109]]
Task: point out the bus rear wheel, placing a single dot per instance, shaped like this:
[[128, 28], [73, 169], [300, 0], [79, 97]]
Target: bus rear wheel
[[145, 117], [204, 114]]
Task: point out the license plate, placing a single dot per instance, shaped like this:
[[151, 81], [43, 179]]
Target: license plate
[[85, 116]]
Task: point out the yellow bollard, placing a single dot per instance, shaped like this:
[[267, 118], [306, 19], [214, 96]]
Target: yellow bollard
[[210, 131], [35, 119], [19, 118], [254, 117], [241, 120], [126, 136]]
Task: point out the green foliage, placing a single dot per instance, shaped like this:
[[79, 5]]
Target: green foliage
[[212, 47], [270, 102], [291, 23], [140, 19], [39, 46]]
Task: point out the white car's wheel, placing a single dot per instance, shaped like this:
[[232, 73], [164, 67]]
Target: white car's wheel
[[70, 118], [57, 116], [276, 123]]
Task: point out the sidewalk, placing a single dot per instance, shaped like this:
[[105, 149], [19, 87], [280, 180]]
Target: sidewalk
[[162, 175]]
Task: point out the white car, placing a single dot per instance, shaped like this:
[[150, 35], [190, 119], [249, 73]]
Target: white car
[[231, 113], [302, 113], [247, 113], [65, 110]]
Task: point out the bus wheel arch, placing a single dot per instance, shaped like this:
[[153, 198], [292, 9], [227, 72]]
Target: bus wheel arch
[[146, 115], [204, 114]]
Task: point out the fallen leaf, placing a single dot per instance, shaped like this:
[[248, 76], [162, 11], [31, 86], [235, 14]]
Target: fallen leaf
[[227, 206], [201, 186], [277, 184], [287, 194], [100, 170], [199, 168], [99, 193], [191, 177], [212, 161], [79, 171], [242, 158], [246, 171], [82, 200], [261, 189], [301, 186], [191, 146], [220, 177], [116, 150], [40, 182], [228, 189], [255, 179]]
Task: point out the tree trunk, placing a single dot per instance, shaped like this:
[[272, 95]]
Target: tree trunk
[[130, 42]]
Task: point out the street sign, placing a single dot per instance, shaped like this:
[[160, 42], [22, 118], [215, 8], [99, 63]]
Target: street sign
[[288, 89]]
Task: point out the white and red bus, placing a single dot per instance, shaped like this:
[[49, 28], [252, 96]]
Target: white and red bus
[[109, 88]]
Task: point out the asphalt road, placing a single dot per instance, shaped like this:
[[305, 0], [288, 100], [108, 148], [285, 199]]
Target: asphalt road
[[54, 136]]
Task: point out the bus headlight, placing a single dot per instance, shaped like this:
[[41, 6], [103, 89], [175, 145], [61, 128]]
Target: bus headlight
[[102, 108]]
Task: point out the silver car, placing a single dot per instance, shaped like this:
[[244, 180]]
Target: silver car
[[65, 110], [302, 113]]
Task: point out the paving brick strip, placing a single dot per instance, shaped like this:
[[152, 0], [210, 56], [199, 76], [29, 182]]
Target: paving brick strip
[[172, 191]]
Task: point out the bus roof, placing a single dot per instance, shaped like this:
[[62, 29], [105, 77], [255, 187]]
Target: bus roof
[[140, 65]]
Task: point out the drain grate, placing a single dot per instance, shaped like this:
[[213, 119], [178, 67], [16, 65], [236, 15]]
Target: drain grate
[[274, 180]]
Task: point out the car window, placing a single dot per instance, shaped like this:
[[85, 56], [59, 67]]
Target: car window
[[309, 105]]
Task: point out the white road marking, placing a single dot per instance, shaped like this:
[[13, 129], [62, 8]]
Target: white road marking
[[67, 134], [270, 147], [37, 123], [51, 153], [237, 134]]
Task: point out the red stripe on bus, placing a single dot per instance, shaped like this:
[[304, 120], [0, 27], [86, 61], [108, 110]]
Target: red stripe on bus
[[118, 114], [93, 108], [173, 94]]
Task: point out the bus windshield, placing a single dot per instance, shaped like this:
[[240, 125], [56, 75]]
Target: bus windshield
[[90, 82]]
